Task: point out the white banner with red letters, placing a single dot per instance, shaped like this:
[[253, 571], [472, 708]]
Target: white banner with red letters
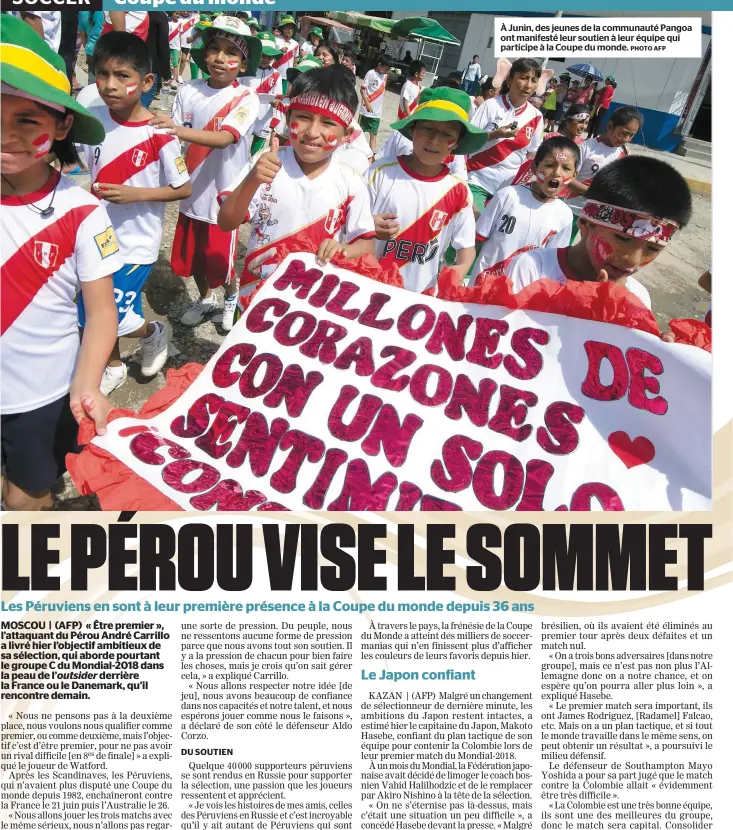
[[335, 392]]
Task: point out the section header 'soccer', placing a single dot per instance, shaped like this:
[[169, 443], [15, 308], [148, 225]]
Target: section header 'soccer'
[[336, 392]]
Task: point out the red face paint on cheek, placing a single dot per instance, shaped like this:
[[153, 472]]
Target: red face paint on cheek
[[131, 89], [42, 145], [332, 141], [232, 65], [601, 251], [541, 176], [294, 131]]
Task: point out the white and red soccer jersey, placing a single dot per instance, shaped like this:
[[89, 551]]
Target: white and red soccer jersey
[[374, 85], [43, 262], [334, 205], [289, 56], [306, 49], [433, 213], [187, 24], [516, 221], [174, 34], [408, 99], [234, 109], [266, 83], [552, 264], [136, 155], [137, 23], [594, 155], [500, 159]]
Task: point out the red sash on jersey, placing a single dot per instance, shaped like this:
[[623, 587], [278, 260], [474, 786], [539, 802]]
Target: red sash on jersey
[[133, 160], [286, 57], [410, 107], [378, 91], [500, 151], [141, 30], [325, 227], [22, 275], [421, 231], [174, 34], [268, 84], [197, 155]]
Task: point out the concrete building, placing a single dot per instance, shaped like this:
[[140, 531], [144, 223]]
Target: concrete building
[[672, 93]]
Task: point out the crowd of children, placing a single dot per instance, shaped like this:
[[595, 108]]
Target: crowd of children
[[275, 135]]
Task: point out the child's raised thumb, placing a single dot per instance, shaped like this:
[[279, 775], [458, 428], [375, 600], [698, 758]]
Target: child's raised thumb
[[274, 143]]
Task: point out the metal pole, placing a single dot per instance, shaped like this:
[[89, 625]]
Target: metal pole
[[544, 62]]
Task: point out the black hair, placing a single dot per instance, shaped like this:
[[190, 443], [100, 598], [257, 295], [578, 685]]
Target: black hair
[[334, 54], [575, 109], [350, 52], [338, 85], [625, 115], [63, 148], [487, 84], [452, 83], [558, 142], [521, 65], [383, 59], [415, 67], [124, 47], [645, 184]]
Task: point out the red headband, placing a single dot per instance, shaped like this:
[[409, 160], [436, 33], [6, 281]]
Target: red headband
[[630, 222], [323, 105]]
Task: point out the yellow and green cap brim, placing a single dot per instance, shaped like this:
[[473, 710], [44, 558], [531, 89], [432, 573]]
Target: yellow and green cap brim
[[269, 45], [253, 43], [316, 31], [287, 20], [28, 64], [439, 108]]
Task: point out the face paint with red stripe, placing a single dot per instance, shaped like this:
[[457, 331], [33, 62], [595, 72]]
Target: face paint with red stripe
[[42, 145]]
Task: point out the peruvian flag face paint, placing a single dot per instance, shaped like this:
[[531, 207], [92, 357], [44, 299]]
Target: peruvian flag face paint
[[232, 65], [131, 89], [293, 131], [42, 145], [332, 141]]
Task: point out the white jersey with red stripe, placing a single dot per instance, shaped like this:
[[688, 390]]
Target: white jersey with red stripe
[[398, 145], [137, 23], [499, 159], [306, 49], [136, 155], [234, 109], [552, 264], [594, 155], [187, 24], [516, 221], [433, 213], [334, 205], [408, 99], [266, 83], [44, 260], [374, 84], [174, 34], [290, 55]]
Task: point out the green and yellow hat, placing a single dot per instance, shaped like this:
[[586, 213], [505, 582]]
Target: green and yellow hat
[[446, 104], [269, 44], [235, 30], [29, 65], [254, 24], [307, 63], [316, 30], [287, 20]]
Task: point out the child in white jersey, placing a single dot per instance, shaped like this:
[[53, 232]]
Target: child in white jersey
[[266, 83], [215, 117], [514, 128], [372, 97], [303, 189], [289, 48], [522, 217], [596, 153], [136, 170], [411, 89], [56, 239], [420, 208], [633, 208]]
